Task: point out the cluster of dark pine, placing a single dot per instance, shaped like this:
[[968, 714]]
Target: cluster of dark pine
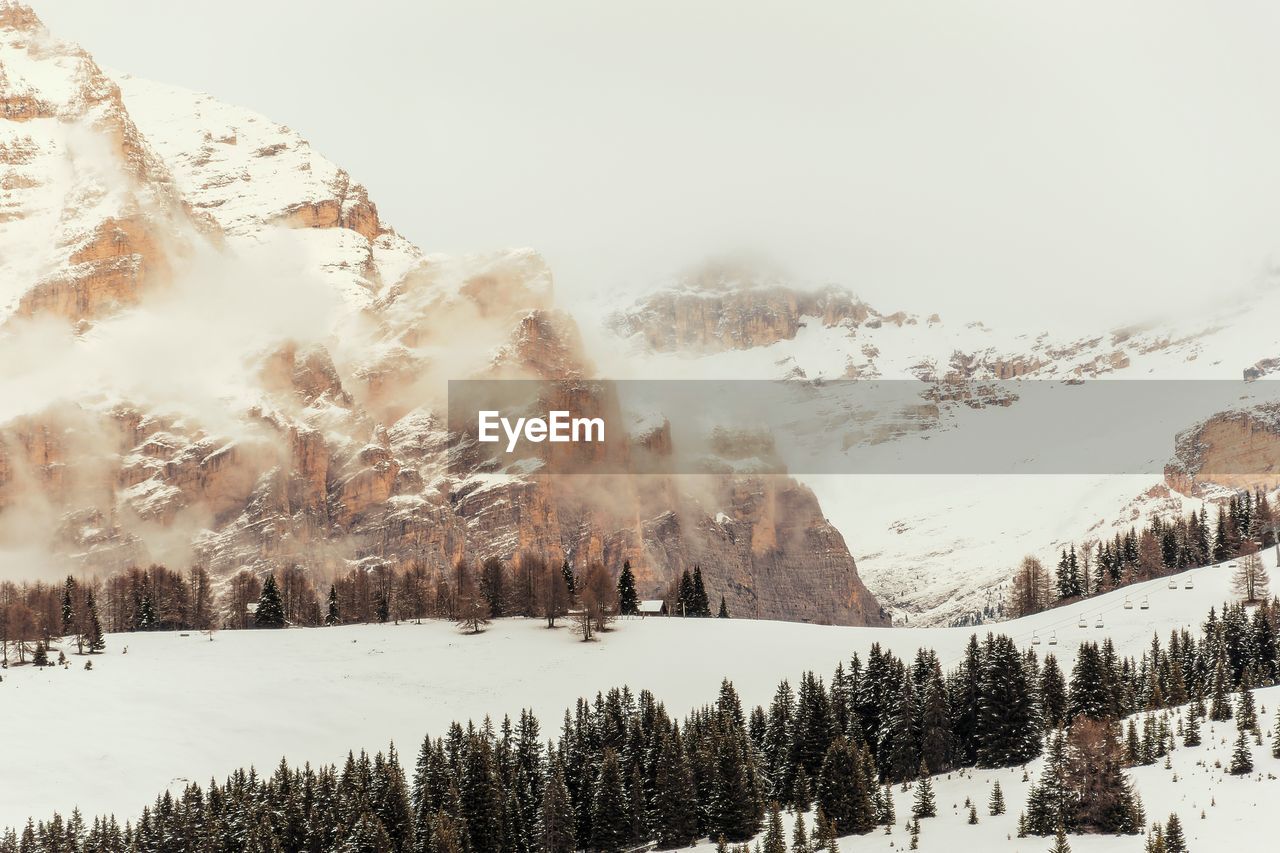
[[1244, 524], [623, 772], [690, 595]]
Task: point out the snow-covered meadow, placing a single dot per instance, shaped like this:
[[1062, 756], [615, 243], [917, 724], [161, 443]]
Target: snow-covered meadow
[[179, 707]]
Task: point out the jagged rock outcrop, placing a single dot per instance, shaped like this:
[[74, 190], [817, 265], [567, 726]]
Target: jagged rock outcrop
[[726, 308], [1231, 450], [72, 161]]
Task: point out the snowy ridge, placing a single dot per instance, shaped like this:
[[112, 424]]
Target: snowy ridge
[[71, 161], [250, 174]]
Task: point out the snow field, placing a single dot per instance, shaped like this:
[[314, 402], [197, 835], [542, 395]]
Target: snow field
[[183, 707]]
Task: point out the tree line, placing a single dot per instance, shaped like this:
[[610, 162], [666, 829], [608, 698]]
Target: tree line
[[156, 598], [622, 771], [32, 616], [1244, 525]]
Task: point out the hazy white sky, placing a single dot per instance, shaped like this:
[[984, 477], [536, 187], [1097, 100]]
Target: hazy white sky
[[985, 159]]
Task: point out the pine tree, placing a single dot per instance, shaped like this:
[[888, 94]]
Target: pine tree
[[390, 800], [1275, 738], [1246, 711], [799, 838], [995, 805], [333, 617], [1174, 840], [973, 814], [774, 838], [367, 835], [1060, 844], [1053, 693], [1191, 730], [935, 721], [1241, 756], [68, 606], [686, 601], [555, 817], [1050, 802], [628, 602], [802, 797], [824, 833], [724, 609], [886, 815], [146, 615], [1220, 705], [924, 805], [674, 817], [93, 633], [776, 748], [701, 604], [734, 806], [1155, 840], [270, 612], [570, 582], [610, 825], [1009, 727], [843, 794]]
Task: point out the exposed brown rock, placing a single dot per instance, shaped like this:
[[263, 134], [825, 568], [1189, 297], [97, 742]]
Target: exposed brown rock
[[1235, 450], [711, 320], [107, 271]]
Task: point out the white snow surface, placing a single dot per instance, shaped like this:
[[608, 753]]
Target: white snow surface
[[178, 708]]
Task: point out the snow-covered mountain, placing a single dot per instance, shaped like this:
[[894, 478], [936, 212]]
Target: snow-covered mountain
[[216, 352], [939, 548]]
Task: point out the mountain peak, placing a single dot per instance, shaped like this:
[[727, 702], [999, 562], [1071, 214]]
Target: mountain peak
[[19, 17]]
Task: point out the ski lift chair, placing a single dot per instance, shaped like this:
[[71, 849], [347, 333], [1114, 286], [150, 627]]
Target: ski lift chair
[[1173, 584], [1145, 605], [1083, 623], [1053, 638], [1035, 638], [1099, 624], [1189, 584], [1128, 605]]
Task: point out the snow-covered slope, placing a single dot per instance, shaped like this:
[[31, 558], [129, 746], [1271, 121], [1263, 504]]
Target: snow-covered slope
[[938, 548], [204, 707], [247, 173], [85, 200], [1195, 783]]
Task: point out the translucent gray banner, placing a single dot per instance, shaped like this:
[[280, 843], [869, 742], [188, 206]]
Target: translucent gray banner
[[864, 427]]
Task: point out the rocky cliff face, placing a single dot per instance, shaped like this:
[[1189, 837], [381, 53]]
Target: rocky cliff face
[[1231, 450], [733, 306], [76, 171], [329, 449]]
